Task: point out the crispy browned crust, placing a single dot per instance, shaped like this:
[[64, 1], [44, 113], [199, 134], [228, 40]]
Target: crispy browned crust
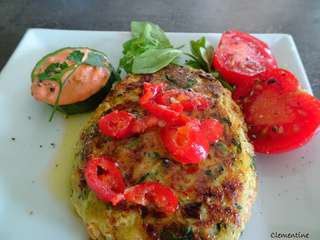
[[215, 196]]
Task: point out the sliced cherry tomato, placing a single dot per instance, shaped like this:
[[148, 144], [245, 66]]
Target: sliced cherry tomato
[[150, 91], [189, 100], [279, 116], [153, 193], [117, 124], [187, 143], [239, 58], [212, 128], [168, 114], [140, 125], [104, 178], [147, 101]]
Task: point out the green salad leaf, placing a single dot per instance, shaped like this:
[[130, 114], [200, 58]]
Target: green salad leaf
[[150, 31], [201, 57], [76, 56], [153, 60], [140, 53], [202, 54]]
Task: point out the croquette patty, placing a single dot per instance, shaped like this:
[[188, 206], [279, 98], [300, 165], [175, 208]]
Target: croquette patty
[[215, 196]]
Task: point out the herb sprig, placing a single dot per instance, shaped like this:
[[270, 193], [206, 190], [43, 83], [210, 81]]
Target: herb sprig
[[201, 57], [148, 51], [56, 71]]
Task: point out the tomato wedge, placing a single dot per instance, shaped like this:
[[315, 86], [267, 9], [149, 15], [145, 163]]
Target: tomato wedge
[[147, 101], [212, 128], [104, 178], [153, 193], [187, 143], [189, 100], [279, 116], [117, 124], [239, 58], [280, 79]]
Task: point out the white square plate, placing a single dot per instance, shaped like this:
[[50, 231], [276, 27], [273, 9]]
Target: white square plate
[[36, 155]]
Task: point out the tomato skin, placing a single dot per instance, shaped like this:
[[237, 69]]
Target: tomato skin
[[150, 91], [280, 118], [117, 124], [168, 114], [140, 125], [153, 193], [189, 100], [239, 58], [212, 128], [186, 143], [109, 185], [280, 79], [147, 101]]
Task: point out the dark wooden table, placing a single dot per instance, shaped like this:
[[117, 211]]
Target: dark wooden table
[[300, 18]]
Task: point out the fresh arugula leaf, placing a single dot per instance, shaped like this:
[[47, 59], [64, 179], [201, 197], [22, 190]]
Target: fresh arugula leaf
[[153, 60], [150, 31], [207, 56], [95, 59], [43, 76], [146, 36], [76, 56], [58, 79], [202, 54], [193, 63], [225, 84], [133, 48], [52, 71], [201, 57], [196, 45], [52, 68]]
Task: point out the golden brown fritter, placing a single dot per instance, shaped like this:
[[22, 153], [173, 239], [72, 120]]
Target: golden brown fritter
[[215, 196]]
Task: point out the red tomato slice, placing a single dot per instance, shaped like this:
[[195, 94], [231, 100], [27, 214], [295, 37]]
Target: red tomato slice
[[280, 117], [117, 124], [240, 57], [147, 101], [104, 178], [189, 100], [153, 193], [280, 79], [150, 91], [212, 128], [142, 124], [186, 143], [168, 114]]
